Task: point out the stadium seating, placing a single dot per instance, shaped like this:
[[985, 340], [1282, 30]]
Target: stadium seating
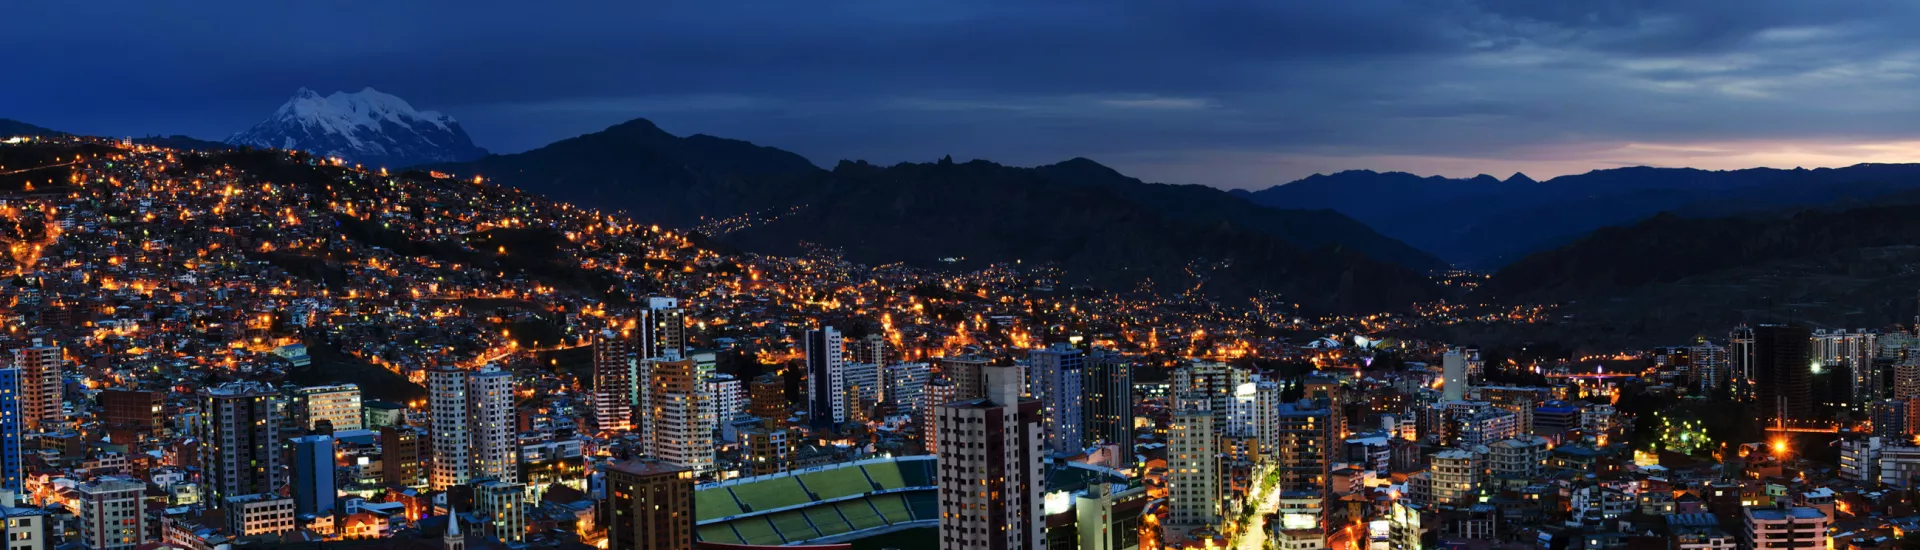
[[886, 475], [769, 494], [757, 531], [827, 520], [717, 503], [718, 532], [837, 482], [793, 525]]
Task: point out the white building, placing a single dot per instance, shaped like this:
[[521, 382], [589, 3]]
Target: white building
[[502, 506], [1860, 459], [1486, 426], [1899, 466], [1794, 527], [991, 480], [903, 384], [261, 514], [338, 405], [726, 398], [1523, 457], [473, 426], [110, 513], [1456, 477], [679, 434]]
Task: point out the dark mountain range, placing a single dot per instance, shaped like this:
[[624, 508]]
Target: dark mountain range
[[1669, 278], [1488, 222], [10, 127], [187, 143], [1086, 217]]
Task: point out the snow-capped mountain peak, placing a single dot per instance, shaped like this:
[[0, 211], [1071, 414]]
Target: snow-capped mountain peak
[[367, 127]]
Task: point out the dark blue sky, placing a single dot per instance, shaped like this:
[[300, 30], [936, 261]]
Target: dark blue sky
[[1232, 94]]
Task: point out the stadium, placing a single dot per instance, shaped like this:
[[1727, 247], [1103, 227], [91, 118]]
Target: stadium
[[825, 504]]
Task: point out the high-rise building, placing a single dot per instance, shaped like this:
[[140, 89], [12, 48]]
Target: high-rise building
[[679, 436], [241, 455], [1521, 458], [338, 405], [1782, 372], [1108, 388], [111, 516], [666, 336], [491, 425], [861, 389], [1218, 382], [12, 439], [902, 384], [130, 415], [1193, 479], [964, 372], [1305, 455], [1709, 366], [726, 398], [1740, 361], [939, 392], [768, 396], [26, 528], [826, 383], [990, 468], [402, 450], [1266, 416], [1454, 369], [40, 387], [652, 506], [503, 508], [614, 388], [473, 426], [314, 490], [1906, 378], [1059, 374], [871, 349]]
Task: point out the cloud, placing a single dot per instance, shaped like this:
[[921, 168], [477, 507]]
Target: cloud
[[1214, 91]]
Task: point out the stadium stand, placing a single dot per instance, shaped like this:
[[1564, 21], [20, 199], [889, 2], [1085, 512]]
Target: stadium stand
[[838, 500]]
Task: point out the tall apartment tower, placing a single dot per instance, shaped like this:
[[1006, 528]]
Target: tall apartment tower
[[614, 390], [964, 372], [1214, 381], [666, 335], [680, 435], [1740, 361], [653, 506], [473, 427], [111, 517], [1453, 366], [314, 489], [826, 378], [1306, 452], [12, 439], [1782, 372], [1193, 478], [939, 392], [1108, 387], [1058, 373], [40, 395], [990, 467], [403, 451], [241, 455], [447, 389]]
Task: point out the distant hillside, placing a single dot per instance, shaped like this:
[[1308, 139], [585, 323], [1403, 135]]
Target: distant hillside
[[1488, 222], [187, 143], [1088, 218], [10, 127], [1669, 278]]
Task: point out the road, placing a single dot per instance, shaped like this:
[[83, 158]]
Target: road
[[1254, 537]]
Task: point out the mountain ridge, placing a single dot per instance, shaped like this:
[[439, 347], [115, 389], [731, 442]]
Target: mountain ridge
[[1070, 212], [365, 127]]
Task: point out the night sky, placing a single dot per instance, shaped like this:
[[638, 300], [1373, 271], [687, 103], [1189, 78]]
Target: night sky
[[1231, 94]]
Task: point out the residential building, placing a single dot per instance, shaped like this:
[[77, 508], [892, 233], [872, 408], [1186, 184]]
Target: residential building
[[991, 481], [241, 455], [336, 405], [652, 506], [826, 383], [314, 489], [111, 517], [1057, 372]]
